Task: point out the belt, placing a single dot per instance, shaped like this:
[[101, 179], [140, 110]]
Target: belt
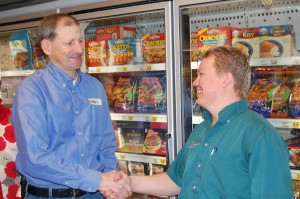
[[56, 193]]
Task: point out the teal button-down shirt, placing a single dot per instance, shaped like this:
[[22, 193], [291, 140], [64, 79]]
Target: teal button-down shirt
[[241, 156]]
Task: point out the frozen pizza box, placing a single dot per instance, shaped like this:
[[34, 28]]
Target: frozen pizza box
[[247, 40], [212, 37], [276, 41], [115, 32]]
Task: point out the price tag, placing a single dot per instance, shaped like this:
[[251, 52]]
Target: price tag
[[130, 118], [162, 161], [148, 67], [297, 176], [153, 119], [98, 70], [122, 157], [124, 69], [295, 125]]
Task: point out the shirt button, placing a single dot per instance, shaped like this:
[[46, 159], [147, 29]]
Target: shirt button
[[89, 188], [195, 187], [206, 144], [66, 182], [76, 112], [228, 121], [82, 155], [64, 85], [73, 91], [199, 165], [79, 133]]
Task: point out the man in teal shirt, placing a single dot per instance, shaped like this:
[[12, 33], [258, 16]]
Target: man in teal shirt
[[234, 152]]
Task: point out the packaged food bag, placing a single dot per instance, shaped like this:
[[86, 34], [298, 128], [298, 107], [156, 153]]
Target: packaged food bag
[[21, 50]]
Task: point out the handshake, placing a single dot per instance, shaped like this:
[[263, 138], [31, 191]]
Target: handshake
[[115, 185]]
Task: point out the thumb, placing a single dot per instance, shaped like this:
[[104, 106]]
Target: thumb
[[117, 176]]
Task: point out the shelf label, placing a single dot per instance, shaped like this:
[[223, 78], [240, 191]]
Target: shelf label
[[297, 176], [162, 161], [124, 69], [130, 118], [153, 119], [295, 125], [98, 70], [122, 157]]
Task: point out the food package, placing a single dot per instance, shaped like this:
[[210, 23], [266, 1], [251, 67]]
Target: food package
[[6, 62], [96, 53], [21, 50], [194, 46], [124, 94], [156, 169], [212, 37], [247, 40], [294, 104], [40, 59], [152, 93], [293, 145], [155, 142], [296, 183], [132, 136], [276, 41], [115, 32], [280, 95], [123, 166], [137, 168], [258, 98], [124, 51], [108, 82], [154, 48]]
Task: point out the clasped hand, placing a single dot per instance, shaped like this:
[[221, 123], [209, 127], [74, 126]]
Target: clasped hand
[[115, 185]]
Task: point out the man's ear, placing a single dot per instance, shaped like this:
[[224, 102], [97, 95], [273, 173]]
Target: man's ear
[[46, 46], [227, 79]]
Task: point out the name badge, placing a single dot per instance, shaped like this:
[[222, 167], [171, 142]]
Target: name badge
[[95, 101]]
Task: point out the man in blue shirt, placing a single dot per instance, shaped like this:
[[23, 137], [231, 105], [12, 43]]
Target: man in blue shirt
[[234, 153], [63, 128]]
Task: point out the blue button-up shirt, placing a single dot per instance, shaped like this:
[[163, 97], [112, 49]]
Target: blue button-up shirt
[[64, 132], [241, 156]]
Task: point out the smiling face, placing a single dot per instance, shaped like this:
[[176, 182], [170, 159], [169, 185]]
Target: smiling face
[[66, 49], [208, 84]]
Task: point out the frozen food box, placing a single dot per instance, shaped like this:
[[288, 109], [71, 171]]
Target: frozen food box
[[194, 46], [276, 41], [212, 37], [152, 93], [133, 136], [123, 166], [155, 142], [154, 48], [115, 32], [296, 183], [96, 53], [293, 145], [6, 61], [124, 94], [137, 168], [247, 40], [124, 51]]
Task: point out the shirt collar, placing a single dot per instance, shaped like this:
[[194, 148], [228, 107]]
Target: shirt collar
[[61, 76], [228, 113]]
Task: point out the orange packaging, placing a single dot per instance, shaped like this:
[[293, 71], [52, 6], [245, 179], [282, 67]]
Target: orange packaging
[[212, 37], [96, 53], [194, 46], [115, 32], [154, 48]]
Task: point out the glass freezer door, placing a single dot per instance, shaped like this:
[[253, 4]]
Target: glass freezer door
[[268, 31]]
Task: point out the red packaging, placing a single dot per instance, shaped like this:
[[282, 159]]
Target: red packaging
[[115, 32], [194, 46], [154, 48], [155, 142], [212, 37], [96, 53]]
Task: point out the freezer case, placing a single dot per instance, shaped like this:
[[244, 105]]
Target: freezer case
[[269, 32]]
